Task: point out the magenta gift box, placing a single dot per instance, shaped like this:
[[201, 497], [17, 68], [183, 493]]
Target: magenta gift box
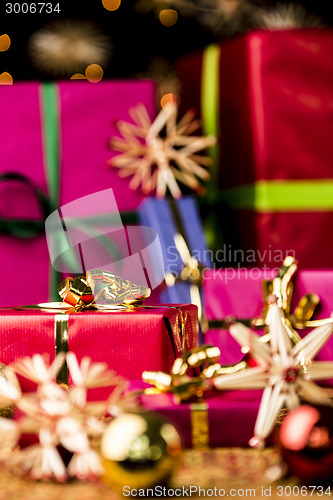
[[231, 416], [76, 119], [238, 292]]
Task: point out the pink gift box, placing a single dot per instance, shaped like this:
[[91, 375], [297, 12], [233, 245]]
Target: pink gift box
[[231, 416], [239, 292], [87, 116]]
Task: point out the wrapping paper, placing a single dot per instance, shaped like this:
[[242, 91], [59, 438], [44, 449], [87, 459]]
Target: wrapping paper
[[169, 217], [240, 293], [88, 114], [128, 341], [231, 416], [273, 188]]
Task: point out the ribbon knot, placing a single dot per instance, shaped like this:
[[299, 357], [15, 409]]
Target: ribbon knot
[[101, 287], [182, 386]]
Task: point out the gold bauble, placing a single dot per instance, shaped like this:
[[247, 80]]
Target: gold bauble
[[6, 406], [140, 450]]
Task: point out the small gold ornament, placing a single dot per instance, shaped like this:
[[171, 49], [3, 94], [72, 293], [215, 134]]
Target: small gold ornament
[[139, 450], [6, 406]]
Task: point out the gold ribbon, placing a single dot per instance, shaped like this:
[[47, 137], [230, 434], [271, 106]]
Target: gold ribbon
[[101, 287], [192, 273], [281, 289], [184, 387]]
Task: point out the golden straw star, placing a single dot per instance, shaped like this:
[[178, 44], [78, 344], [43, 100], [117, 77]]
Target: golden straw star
[[158, 161]]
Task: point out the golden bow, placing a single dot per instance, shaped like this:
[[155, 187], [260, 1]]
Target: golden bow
[[180, 384], [281, 289], [101, 287]]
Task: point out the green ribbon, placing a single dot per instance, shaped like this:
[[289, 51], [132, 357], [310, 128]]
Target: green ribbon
[[50, 115], [210, 107], [282, 196], [50, 134], [25, 228], [210, 99], [261, 196]]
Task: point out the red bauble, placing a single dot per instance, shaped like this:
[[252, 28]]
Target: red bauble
[[306, 444]]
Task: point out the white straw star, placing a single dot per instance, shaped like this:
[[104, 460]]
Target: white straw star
[[285, 371]]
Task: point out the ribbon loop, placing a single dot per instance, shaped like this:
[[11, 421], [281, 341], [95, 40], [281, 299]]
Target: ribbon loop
[[101, 287]]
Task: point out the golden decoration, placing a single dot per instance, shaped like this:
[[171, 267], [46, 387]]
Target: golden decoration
[[139, 450], [281, 287], [157, 162], [111, 5], [101, 287], [94, 73], [168, 17], [78, 76], [183, 386], [65, 47], [6, 78], [4, 42]]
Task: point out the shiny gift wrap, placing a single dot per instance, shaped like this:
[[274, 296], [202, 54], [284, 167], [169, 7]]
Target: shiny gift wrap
[[267, 95], [240, 293], [220, 420], [129, 341], [64, 152]]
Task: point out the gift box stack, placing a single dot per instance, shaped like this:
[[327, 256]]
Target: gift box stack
[[272, 183]]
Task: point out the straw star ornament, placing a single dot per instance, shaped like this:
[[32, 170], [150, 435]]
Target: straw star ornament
[[286, 372], [158, 162], [59, 417]]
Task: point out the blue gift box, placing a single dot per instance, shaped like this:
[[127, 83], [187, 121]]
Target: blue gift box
[[170, 218]]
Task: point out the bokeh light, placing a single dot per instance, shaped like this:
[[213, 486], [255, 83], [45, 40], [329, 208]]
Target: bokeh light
[[167, 100], [168, 17], [6, 79], [111, 4], [78, 76], [94, 73], [4, 42]]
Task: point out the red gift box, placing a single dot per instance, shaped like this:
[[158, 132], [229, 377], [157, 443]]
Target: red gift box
[[128, 341], [269, 97]]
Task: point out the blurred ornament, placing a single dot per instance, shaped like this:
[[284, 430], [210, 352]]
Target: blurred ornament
[[168, 17], [165, 77], [6, 404], [111, 5], [285, 371], [288, 16], [78, 76], [158, 161], [6, 78], [65, 47], [306, 444], [94, 73], [4, 42], [140, 450], [222, 17], [60, 418]]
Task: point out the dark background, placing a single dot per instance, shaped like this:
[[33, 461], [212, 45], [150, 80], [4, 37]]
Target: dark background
[[136, 38]]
